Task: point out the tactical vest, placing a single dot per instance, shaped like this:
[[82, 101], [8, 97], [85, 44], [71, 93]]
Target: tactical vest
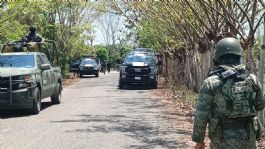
[[234, 97]]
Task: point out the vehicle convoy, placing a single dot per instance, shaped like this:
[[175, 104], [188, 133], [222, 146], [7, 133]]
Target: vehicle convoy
[[89, 66], [27, 77], [140, 68]]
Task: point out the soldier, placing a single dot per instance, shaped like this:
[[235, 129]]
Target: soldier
[[108, 66], [32, 35], [228, 102]]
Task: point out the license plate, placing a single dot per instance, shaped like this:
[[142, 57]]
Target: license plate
[[137, 70], [137, 78]]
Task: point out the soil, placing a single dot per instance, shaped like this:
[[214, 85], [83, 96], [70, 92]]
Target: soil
[[71, 80]]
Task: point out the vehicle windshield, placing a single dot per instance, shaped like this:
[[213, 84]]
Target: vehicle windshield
[[25, 61], [140, 58], [88, 62]]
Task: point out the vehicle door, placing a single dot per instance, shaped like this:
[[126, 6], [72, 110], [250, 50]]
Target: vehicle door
[[51, 80], [44, 77]]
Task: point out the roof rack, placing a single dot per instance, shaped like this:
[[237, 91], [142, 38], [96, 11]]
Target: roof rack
[[21, 46]]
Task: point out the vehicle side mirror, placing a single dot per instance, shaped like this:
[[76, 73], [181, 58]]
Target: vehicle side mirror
[[45, 66], [159, 63]]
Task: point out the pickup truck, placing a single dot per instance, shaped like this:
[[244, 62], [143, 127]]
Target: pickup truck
[[139, 68], [26, 78]]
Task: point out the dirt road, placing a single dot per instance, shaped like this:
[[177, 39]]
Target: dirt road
[[95, 114]]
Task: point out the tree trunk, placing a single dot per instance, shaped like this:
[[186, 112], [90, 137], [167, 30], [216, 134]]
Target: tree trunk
[[261, 72], [206, 63]]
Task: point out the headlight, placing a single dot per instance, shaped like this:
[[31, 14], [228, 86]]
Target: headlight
[[152, 70], [26, 77], [123, 69], [23, 81]]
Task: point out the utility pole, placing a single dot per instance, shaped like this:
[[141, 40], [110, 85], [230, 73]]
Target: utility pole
[[261, 71]]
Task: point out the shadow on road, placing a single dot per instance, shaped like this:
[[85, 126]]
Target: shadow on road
[[150, 136], [143, 123], [12, 113]]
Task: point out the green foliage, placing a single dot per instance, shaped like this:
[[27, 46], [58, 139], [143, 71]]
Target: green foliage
[[148, 36], [101, 53], [67, 23], [124, 51]]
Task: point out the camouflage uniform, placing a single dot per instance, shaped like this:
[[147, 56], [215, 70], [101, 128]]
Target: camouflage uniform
[[228, 102]]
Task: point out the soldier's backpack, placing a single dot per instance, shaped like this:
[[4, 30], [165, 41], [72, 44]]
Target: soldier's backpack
[[239, 96], [238, 93]]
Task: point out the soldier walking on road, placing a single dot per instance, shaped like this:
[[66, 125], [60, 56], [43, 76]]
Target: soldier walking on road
[[228, 102], [108, 66]]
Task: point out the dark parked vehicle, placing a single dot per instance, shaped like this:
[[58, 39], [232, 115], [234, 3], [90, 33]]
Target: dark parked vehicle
[[74, 65], [140, 68], [88, 66]]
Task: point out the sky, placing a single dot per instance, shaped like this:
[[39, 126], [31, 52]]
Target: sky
[[99, 39], [115, 20]]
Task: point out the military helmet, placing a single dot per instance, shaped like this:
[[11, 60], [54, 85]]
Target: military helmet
[[226, 46], [32, 28]]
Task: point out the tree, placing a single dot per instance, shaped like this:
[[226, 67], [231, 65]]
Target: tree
[[101, 53]]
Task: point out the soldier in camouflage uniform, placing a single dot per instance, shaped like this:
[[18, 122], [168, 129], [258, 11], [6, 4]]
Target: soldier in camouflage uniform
[[228, 102]]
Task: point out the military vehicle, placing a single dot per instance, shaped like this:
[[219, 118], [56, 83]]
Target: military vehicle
[[140, 68], [27, 77]]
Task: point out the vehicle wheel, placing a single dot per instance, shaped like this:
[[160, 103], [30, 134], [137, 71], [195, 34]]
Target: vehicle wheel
[[154, 85], [121, 85], [56, 98], [37, 102]]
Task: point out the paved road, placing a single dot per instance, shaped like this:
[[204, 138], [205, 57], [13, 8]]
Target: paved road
[[95, 114]]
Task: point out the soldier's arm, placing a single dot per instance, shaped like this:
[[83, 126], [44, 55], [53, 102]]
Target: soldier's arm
[[259, 102], [203, 108]]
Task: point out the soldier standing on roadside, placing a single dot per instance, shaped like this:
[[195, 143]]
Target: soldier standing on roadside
[[228, 102]]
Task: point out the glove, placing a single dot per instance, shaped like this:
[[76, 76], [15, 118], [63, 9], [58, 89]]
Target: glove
[[200, 145]]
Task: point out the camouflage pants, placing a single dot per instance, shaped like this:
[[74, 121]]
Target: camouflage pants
[[234, 139], [233, 144]]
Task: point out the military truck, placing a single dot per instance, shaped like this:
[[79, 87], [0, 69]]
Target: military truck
[[27, 77], [139, 68]]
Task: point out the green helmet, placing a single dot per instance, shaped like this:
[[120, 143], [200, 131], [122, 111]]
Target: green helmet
[[227, 45]]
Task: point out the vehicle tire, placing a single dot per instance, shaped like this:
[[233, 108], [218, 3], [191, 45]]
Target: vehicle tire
[[154, 85], [121, 84], [37, 102], [97, 74], [56, 98]]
